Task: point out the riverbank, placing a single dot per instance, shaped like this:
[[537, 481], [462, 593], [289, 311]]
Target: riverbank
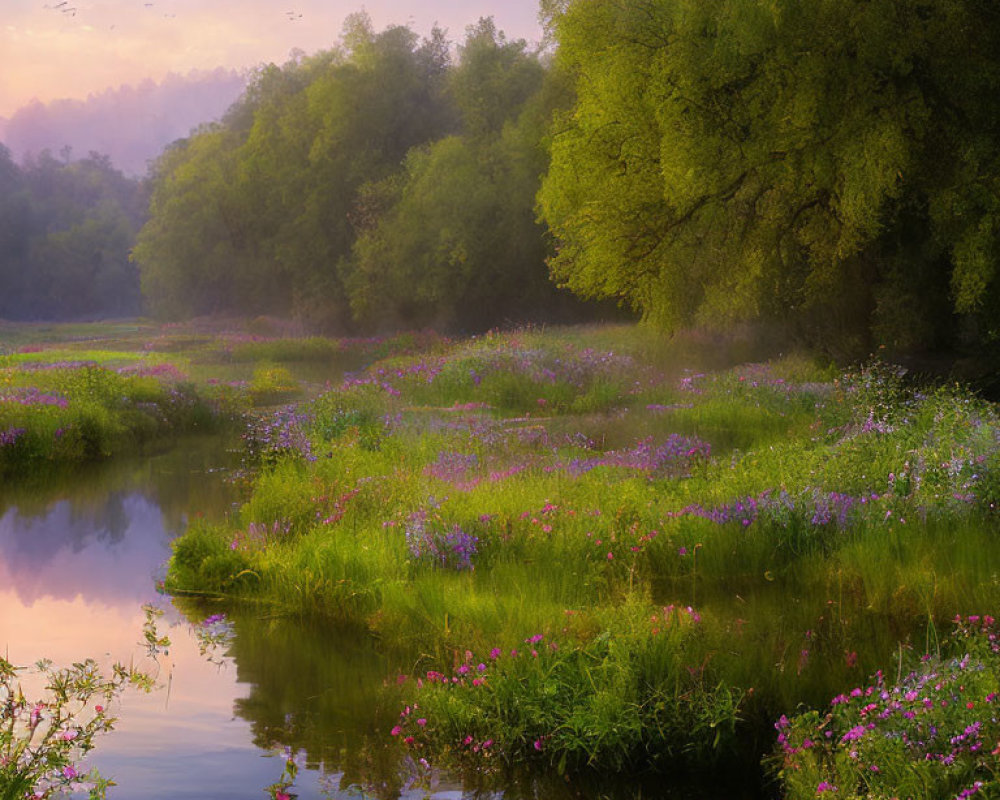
[[657, 563], [72, 394]]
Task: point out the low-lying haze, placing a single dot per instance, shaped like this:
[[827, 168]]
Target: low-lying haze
[[131, 124]]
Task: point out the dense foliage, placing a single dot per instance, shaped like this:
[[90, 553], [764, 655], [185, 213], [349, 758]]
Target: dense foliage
[[66, 230], [374, 184], [829, 165], [832, 163], [931, 733]]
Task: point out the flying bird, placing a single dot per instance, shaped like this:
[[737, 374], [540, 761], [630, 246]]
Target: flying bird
[[292, 16]]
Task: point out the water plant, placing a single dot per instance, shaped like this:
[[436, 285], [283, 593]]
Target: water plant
[[617, 691], [54, 413]]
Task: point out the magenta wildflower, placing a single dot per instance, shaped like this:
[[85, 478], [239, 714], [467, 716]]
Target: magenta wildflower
[[854, 733]]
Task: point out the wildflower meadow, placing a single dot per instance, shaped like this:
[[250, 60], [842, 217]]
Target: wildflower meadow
[[586, 552], [656, 562]]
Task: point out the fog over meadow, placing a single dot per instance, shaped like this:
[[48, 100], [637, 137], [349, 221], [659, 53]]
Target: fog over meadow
[[131, 123]]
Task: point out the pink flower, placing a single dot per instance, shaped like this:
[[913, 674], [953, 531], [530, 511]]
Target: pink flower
[[421, 722], [538, 744], [396, 730]]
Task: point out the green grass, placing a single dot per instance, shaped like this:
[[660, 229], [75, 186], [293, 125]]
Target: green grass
[[590, 485], [73, 393]]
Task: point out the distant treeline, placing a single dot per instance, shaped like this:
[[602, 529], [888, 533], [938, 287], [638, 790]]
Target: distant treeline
[[66, 230]]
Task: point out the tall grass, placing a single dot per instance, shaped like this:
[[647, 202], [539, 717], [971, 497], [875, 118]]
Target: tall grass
[[478, 494]]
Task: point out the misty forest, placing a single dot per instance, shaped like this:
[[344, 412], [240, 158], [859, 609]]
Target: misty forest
[[612, 417]]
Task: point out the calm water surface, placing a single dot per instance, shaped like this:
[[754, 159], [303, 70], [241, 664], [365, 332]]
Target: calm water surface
[[77, 562]]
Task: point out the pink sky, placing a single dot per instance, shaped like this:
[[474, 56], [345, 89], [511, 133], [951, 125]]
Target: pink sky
[[50, 49]]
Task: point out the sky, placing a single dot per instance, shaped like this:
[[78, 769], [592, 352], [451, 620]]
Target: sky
[[51, 49]]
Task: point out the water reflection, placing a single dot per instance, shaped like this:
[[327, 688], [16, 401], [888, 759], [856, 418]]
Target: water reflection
[[80, 557], [77, 562], [106, 555]]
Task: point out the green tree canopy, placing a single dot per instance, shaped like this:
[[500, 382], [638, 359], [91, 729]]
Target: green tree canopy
[[452, 239], [253, 214], [375, 185], [832, 162], [66, 228]]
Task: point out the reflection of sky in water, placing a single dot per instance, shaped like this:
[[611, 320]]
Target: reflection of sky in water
[[73, 577], [182, 740], [107, 554], [74, 573]]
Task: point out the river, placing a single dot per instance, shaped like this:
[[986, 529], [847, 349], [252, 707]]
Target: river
[[81, 556]]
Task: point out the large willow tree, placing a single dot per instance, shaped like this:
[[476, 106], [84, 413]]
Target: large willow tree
[[830, 162]]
